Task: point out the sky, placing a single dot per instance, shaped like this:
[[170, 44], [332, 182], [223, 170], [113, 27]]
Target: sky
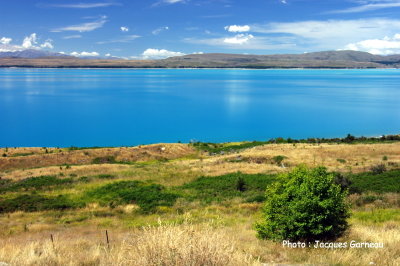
[[154, 29]]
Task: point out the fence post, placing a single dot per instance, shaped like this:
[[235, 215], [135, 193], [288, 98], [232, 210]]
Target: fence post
[[108, 242], [52, 240]]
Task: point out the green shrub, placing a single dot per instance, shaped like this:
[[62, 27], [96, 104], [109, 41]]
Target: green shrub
[[279, 159], [35, 183], [341, 160], [305, 205], [240, 184], [105, 159], [385, 182], [342, 181], [221, 188], [84, 179], [147, 196], [22, 154], [105, 176], [35, 202], [366, 199], [378, 169]]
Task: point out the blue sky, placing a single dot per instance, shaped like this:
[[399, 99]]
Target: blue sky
[[147, 29]]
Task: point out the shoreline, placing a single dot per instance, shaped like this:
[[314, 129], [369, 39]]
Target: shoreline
[[197, 68], [349, 139]]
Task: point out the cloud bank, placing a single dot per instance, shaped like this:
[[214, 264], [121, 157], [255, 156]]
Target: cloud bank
[[151, 53]]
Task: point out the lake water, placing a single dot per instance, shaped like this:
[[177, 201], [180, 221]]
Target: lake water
[[115, 107]]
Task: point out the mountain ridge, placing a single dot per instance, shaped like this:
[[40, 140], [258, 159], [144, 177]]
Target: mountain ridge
[[324, 59]]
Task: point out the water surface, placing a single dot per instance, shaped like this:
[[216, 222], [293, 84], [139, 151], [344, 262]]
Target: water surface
[[115, 107]]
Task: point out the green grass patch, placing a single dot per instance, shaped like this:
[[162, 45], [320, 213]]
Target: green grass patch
[[35, 202], [226, 147], [250, 187], [377, 215], [22, 154], [105, 159], [146, 196], [34, 183], [388, 181]]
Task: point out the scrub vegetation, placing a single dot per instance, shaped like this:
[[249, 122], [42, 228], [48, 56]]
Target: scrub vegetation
[[197, 204]]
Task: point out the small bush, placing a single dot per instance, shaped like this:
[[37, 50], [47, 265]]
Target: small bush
[[384, 158], [306, 205], [366, 199], [240, 184], [342, 181], [378, 169], [105, 176], [279, 159], [84, 179], [105, 159], [341, 160]]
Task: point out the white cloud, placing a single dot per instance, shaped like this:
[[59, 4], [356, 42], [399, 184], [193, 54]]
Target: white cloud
[[47, 44], [124, 29], [159, 30], [5, 40], [159, 54], [85, 54], [168, 2], [383, 46], [239, 39], [30, 41], [237, 28], [108, 55], [283, 1], [77, 36], [84, 27], [124, 39], [85, 5], [329, 34], [369, 6], [173, 1]]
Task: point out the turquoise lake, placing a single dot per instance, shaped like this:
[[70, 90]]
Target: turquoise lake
[[121, 107]]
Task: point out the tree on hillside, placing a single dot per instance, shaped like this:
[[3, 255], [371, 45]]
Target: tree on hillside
[[306, 205]]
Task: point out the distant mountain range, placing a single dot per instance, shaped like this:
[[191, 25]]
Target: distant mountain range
[[328, 59], [32, 53]]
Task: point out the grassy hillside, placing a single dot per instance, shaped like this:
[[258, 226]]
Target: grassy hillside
[[183, 203]]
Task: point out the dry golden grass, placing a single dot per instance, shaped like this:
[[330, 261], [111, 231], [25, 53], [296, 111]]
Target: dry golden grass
[[188, 244], [81, 157], [159, 245], [358, 158], [79, 170]]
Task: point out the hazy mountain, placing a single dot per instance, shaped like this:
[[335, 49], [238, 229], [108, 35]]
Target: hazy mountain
[[316, 59], [327, 59], [32, 53]]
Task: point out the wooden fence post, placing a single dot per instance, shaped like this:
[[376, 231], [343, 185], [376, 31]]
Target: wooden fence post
[[52, 240], [108, 242]]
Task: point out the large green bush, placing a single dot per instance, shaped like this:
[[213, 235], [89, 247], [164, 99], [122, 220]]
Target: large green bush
[[306, 205]]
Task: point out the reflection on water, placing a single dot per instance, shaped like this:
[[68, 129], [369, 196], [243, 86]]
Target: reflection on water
[[107, 107]]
